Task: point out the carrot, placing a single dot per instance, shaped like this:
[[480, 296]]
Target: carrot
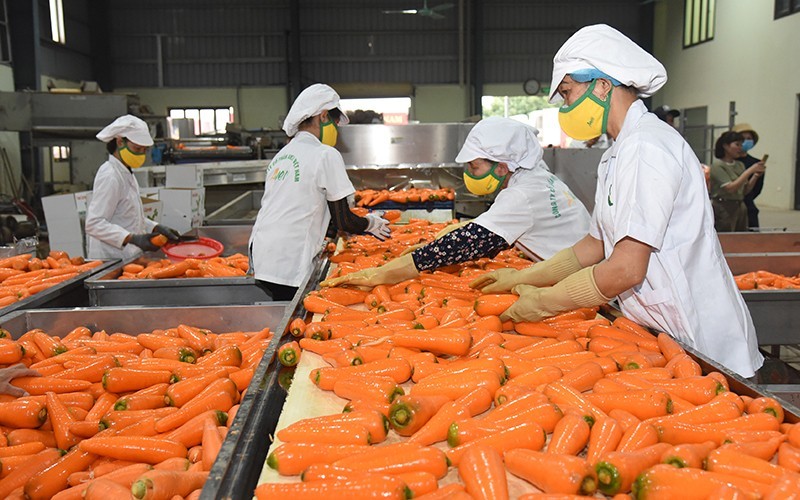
[[211, 442], [436, 428], [564, 395], [61, 419], [645, 403], [164, 484], [197, 338], [730, 461], [696, 390], [23, 413], [789, 457], [38, 386], [785, 487], [482, 471], [441, 341], [550, 473], [22, 436], [764, 450], [544, 413], [191, 433], [48, 345], [584, 376], [290, 459], [536, 329], [53, 478], [616, 470], [494, 304], [342, 432], [176, 463], [21, 449], [181, 392], [605, 435], [149, 450], [665, 482], [103, 489], [11, 353], [131, 379], [570, 436], [409, 413], [91, 372], [637, 437], [398, 369], [242, 377], [455, 385], [529, 435], [376, 486], [766, 405], [394, 459], [688, 455], [380, 388], [220, 394], [226, 355]]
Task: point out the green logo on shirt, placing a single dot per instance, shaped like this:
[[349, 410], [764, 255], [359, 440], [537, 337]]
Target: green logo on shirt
[[610, 203], [278, 168]]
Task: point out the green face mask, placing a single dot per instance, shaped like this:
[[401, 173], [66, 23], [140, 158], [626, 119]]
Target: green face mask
[[131, 159], [587, 117], [328, 132], [486, 184]]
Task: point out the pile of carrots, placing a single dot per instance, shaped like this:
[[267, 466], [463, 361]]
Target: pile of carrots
[[438, 386], [373, 197], [218, 267], [765, 280], [118, 415], [23, 275]]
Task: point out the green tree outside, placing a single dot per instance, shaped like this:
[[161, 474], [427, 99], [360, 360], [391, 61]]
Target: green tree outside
[[517, 105]]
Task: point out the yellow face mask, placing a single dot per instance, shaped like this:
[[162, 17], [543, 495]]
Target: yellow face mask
[[486, 184], [328, 132], [587, 117], [131, 159]]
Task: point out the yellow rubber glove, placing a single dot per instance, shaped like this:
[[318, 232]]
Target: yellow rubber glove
[[394, 271], [535, 304], [545, 273]]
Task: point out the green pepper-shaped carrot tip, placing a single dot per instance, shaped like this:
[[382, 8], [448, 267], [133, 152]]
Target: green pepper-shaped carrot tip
[[670, 406], [104, 380], [675, 462], [588, 486], [139, 488], [396, 392], [452, 435], [720, 388], [608, 478], [771, 411], [121, 405], [400, 415], [222, 417], [639, 487], [500, 399], [272, 461], [60, 350], [384, 420], [418, 326], [4, 334], [407, 492], [589, 420]]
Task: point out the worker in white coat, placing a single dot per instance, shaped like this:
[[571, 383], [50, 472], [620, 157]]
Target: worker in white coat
[[306, 188], [116, 227], [533, 211], [651, 243]]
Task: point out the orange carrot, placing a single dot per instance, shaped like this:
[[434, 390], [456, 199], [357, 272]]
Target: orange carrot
[[688, 455], [616, 470], [220, 394], [645, 403], [604, 437], [570, 436], [23, 413], [133, 448], [494, 304], [766, 405], [289, 353], [191, 433], [409, 413], [290, 459], [528, 435], [130, 379], [665, 481], [53, 478], [550, 473], [381, 388], [394, 459], [61, 419], [103, 489], [165, 484], [377, 485], [730, 461], [342, 432], [38, 386], [482, 471]]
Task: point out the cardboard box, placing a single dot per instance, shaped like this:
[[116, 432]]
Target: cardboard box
[[182, 209], [184, 176], [152, 209], [149, 192], [64, 227]]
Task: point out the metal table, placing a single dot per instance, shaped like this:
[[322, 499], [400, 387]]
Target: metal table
[[751, 242]]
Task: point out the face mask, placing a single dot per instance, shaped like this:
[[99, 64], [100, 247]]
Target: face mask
[[486, 184], [747, 145], [131, 159], [328, 133], [587, 117]]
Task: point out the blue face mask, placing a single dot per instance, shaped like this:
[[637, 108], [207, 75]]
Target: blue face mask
[[747, 145]]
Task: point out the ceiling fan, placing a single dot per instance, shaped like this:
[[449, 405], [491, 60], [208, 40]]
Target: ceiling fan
[[425, 11]]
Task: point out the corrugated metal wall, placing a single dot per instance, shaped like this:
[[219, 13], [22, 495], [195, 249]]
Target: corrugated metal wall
[[244, 42]]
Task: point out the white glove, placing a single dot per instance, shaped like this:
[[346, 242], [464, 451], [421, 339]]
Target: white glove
[[378, 227], [12, 372]]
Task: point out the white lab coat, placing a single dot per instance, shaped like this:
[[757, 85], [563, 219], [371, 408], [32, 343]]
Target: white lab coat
[[293, 219], [114, 212], [537, 213], [650, 187]]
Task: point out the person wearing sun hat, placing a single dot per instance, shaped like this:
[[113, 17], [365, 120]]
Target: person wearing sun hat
[[750, 137], [306, 189], [116, 227], [533, 210], [651, 243]]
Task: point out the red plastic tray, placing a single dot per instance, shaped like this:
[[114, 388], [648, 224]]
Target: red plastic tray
[[203, 248]]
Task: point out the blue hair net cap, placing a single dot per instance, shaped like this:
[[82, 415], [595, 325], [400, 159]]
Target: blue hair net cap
[[589, 74]]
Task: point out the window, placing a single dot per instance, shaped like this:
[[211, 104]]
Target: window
[[207, 121], [60, 153], [57, 21], [387, 110], [698, 21], [786, 7], [5, 40]]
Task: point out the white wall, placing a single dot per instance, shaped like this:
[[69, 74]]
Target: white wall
[[9, 140], [254, 107], [439, 103], [752, 61]]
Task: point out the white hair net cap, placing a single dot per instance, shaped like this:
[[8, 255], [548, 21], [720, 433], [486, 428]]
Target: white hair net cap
[[311, 102], [502, 140], [606, 49], [128, 127]]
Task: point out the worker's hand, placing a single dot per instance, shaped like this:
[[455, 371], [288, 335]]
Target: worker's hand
[[171, 234], [535, 304], [378, 227], [545, 273], [12, 372], [143, 241], [394, 271]]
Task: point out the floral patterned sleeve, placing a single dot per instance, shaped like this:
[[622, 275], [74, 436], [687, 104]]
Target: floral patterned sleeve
[[467, 243]]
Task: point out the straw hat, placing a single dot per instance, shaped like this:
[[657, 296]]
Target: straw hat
[[745, 127]]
